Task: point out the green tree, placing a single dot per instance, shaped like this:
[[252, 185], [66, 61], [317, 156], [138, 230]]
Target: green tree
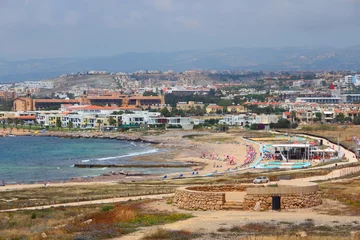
[[317, 117], [9, 121], [16, 121], [58, 123], [165, 112], [340, 118], [22, 124], [150, 94], [282, 123], [112, 121], [254, 126], [357, 120], [98, 123]]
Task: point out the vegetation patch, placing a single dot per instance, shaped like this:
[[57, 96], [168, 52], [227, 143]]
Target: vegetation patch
[[161, 233], [85, 222]]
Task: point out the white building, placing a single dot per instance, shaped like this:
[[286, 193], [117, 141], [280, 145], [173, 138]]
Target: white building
[[239, 120]]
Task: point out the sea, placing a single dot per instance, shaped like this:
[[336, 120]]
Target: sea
[[27, 159]]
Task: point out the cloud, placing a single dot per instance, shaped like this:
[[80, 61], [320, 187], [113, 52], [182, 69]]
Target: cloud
[[91, 27]]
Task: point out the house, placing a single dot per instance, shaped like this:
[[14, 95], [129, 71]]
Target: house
[[213, 108], [236, 109]]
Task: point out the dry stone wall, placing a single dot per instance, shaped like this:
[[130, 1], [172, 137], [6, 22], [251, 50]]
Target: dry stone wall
[[213, 197], [195, 200], [287, 201]]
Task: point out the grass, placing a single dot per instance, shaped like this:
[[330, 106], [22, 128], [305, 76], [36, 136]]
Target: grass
[[347, 192], [161, 233], [287, 230], [85, 222]]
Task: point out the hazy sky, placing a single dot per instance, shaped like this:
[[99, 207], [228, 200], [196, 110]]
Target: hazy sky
[[76, 28]]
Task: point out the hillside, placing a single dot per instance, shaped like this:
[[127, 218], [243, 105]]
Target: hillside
[[287, 58]]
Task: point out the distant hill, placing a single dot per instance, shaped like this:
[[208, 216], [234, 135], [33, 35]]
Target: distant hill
[[286, 58]]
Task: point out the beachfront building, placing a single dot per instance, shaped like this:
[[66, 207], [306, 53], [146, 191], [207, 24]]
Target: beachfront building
[[138, 117], [239, 120], [249, 119]]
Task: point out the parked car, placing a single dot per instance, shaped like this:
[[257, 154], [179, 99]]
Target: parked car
[[261, 179]]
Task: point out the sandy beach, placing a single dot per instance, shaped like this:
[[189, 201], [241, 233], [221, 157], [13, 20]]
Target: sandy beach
[[219, 149]]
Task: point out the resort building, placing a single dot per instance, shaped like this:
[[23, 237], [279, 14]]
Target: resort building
[[30, 104]]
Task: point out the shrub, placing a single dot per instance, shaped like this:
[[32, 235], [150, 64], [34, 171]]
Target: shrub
[[33, 215], [107, 208]]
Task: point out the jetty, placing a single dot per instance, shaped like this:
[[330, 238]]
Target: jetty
[[162, 165]]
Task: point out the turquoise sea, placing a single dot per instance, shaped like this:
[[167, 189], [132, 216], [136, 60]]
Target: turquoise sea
[[29, 159]]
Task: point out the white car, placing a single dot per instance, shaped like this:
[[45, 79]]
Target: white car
[[261, 179]]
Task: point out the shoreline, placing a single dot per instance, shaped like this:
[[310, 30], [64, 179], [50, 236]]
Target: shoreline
[[122, 174], [179, 148]]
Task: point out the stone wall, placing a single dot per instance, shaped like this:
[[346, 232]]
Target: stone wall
[[287, 201], [212, 197], [194, 200], [223, 188]]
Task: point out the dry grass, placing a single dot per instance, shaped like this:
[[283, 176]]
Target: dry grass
[[347, 192], [44, 196], [85, 222], [286, 230], [173, 235]]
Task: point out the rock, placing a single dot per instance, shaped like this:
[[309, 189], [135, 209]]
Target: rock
[[301, 234], [87, 221], [43, 235], [257, 206], [355, 235]]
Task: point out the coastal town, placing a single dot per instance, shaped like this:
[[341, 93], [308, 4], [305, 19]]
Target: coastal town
[[179, 120], [283, 132], [183, 100]]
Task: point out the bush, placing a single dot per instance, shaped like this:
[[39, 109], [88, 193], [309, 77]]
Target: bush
[[33, 215], [107, 208]]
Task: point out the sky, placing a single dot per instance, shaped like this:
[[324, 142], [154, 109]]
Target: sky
[[83, 28]]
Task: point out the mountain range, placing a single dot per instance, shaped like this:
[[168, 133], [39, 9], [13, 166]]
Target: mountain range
[[236, 58]]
